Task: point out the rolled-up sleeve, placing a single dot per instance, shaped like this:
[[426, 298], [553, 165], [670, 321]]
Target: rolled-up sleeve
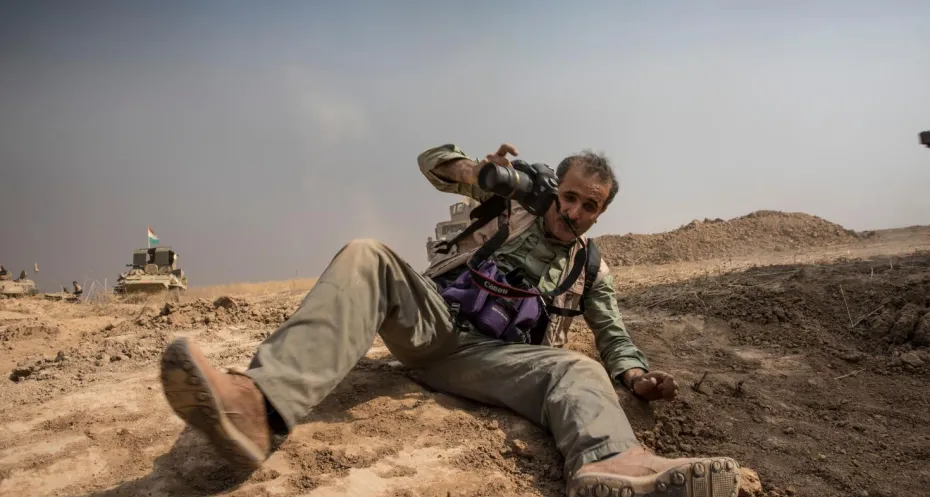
[[429, 159], [602, 314]]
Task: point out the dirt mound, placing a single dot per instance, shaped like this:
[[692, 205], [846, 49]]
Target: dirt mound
[[715, 238], [222, 311], [877, 306], [793, 361], [138, 338], [32, 329]]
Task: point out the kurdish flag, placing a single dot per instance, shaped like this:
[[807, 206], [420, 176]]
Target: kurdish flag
[[153, 238]]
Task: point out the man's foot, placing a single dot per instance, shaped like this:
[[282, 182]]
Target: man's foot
[[228, 408], [636, 473]]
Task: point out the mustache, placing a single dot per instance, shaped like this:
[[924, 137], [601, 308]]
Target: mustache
[[567, 220]]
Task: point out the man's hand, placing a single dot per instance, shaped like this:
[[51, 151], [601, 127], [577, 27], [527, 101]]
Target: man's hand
[[653, 385], [500, 157]]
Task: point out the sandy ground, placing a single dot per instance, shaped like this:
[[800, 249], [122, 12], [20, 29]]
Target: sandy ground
[[814, 367]]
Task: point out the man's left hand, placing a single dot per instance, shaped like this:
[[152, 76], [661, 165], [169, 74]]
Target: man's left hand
[[655, 385], [500, 157]]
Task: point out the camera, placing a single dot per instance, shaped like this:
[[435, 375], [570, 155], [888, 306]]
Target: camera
[[533, 186], [925, 138]]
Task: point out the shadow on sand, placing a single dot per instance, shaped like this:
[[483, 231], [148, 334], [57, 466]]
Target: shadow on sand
[[191, 468]]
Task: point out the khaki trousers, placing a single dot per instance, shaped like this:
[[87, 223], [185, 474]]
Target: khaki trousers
[[368, 289]]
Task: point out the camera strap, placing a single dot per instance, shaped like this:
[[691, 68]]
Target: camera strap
[[499, 206]]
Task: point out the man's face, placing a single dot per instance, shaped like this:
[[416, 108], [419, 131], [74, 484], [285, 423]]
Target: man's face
[[582, 197]]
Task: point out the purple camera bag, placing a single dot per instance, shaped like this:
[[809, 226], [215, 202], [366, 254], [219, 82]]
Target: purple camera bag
[[498, 317]]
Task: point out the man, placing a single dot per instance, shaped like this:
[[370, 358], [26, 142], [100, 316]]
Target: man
[[367, 289]]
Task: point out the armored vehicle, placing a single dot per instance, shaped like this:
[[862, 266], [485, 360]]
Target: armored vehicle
[[153, 270], [16, 288], [458, 221]]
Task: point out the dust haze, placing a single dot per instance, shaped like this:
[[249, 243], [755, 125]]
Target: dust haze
[[256, 140]]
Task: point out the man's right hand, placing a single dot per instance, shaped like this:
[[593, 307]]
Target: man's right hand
[[655, 385]]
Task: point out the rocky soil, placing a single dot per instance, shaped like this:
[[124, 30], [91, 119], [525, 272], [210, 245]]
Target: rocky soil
[[814, 375]]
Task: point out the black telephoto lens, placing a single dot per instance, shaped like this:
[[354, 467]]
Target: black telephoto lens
[[504, 181]]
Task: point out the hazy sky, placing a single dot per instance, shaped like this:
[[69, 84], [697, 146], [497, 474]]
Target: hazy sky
[[258, 137]]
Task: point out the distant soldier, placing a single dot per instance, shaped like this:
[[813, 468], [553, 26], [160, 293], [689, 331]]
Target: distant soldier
[[23, 275], [77, 288], [4, 274]]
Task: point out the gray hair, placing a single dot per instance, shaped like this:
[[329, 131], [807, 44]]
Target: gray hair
[[596, 164]]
